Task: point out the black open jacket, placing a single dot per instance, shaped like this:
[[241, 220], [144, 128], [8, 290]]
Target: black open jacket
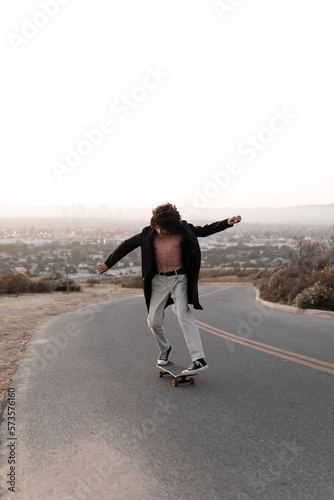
[[191, 256]]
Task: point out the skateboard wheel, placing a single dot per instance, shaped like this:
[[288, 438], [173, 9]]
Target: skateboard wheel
[[175, 383], [191, 381], [160, 374]]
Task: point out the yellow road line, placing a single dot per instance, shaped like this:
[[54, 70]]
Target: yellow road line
[[231, 336], [216, 291], [296, 358], [317, 364]]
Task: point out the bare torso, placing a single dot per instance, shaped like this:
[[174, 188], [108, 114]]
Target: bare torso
[[168, 252]]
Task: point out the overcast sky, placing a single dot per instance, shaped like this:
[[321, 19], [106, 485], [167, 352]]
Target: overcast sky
[[196, 102]]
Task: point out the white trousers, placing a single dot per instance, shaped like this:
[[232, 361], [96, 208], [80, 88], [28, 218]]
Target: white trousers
[[176, 287]]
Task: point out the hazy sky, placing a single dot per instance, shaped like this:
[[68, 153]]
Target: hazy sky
[[196, 102]]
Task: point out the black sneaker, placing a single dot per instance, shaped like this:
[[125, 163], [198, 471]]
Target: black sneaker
[[163, 357], [196, 366]]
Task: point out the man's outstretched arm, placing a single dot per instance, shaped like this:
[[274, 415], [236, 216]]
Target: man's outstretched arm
[[215, 227], [121, 251]]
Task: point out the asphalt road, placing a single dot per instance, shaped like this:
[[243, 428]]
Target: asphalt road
[[94, 421]]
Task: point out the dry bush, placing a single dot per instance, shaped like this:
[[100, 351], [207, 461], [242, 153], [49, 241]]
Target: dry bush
[[16, 283], [57, 282], [282, 284], [43, 287], [307, 281], [131, 281], [20, 283], [92, 281], [3, 282], [317, 296]]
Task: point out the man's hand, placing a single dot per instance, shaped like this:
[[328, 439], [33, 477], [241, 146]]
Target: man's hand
[[102, 268], [234, 220]]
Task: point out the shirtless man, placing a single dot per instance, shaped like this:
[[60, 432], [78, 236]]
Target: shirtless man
[[170, 267], [167, 250]]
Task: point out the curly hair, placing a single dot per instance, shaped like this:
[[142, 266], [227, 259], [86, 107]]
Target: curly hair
[[166, 217]]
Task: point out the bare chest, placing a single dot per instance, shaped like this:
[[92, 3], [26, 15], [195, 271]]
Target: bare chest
[[170, 245]]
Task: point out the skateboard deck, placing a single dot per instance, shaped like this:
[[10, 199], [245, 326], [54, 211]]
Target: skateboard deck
[[176, 372]]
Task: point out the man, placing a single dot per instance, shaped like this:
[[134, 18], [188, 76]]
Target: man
[[171, 260]]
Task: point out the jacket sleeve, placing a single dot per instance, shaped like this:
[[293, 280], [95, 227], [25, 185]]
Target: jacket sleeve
[[209, 229], [123, 249]]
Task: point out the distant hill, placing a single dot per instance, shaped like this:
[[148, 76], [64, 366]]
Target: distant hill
[[304, 214]]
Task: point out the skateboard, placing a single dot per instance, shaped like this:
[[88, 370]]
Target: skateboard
[[176, 372]]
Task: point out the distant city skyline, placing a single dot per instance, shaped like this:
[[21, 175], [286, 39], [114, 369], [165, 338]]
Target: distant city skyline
[[235, 109], [302, 214]]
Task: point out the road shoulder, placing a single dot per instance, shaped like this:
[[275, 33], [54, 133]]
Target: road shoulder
[[315, 313]]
